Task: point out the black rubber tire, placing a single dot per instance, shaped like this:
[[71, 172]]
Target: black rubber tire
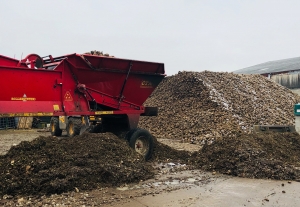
[[143, 137], [129, 134], [54, 126], [73, 126]]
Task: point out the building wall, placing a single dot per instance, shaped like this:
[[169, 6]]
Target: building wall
[[291, 81]]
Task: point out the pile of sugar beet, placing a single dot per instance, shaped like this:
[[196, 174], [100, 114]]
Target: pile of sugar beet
[[187, 103], [208, 105]]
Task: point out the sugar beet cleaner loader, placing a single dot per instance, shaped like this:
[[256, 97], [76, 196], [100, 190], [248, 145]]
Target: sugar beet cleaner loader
[[82, 92]]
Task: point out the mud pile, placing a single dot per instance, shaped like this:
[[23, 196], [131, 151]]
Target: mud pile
[[210, 105], [50, 165], [264, 155], [269, 155]]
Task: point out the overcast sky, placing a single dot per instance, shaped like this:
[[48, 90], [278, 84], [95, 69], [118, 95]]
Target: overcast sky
[[190, 35]]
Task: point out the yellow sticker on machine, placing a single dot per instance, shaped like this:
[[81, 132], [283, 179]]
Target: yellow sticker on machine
[[104, 112], [26, 114], [22, 99], [146, 84], [56, 107]]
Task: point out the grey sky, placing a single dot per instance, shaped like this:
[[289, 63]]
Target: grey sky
[[215, 35]]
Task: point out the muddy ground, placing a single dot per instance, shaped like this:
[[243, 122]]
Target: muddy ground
[[38, 173]]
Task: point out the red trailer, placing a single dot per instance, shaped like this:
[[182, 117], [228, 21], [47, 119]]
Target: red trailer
[[104, 94]]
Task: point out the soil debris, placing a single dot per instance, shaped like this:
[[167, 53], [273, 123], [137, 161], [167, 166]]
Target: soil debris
[[50, 165], [265, 155]]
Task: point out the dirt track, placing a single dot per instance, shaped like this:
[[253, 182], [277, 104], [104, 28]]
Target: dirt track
[[173, 185]]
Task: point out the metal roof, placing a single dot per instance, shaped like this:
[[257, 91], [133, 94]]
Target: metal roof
[[276, 66]]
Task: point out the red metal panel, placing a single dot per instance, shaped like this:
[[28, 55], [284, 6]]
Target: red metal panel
[[25, 82], [107, 75], [111, 63], [7, 61], [28, 90]]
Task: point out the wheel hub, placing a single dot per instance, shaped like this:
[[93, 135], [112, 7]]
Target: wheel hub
[[141, 146]]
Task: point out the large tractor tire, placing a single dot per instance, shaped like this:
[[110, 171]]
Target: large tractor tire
[[73, 126], [54, 126], [141, 141]]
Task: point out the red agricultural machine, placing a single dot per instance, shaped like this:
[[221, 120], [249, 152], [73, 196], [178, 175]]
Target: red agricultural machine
[[82, 92]]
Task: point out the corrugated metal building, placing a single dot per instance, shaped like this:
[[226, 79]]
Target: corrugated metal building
[[273, 67], [291, 81], [286, 72]]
